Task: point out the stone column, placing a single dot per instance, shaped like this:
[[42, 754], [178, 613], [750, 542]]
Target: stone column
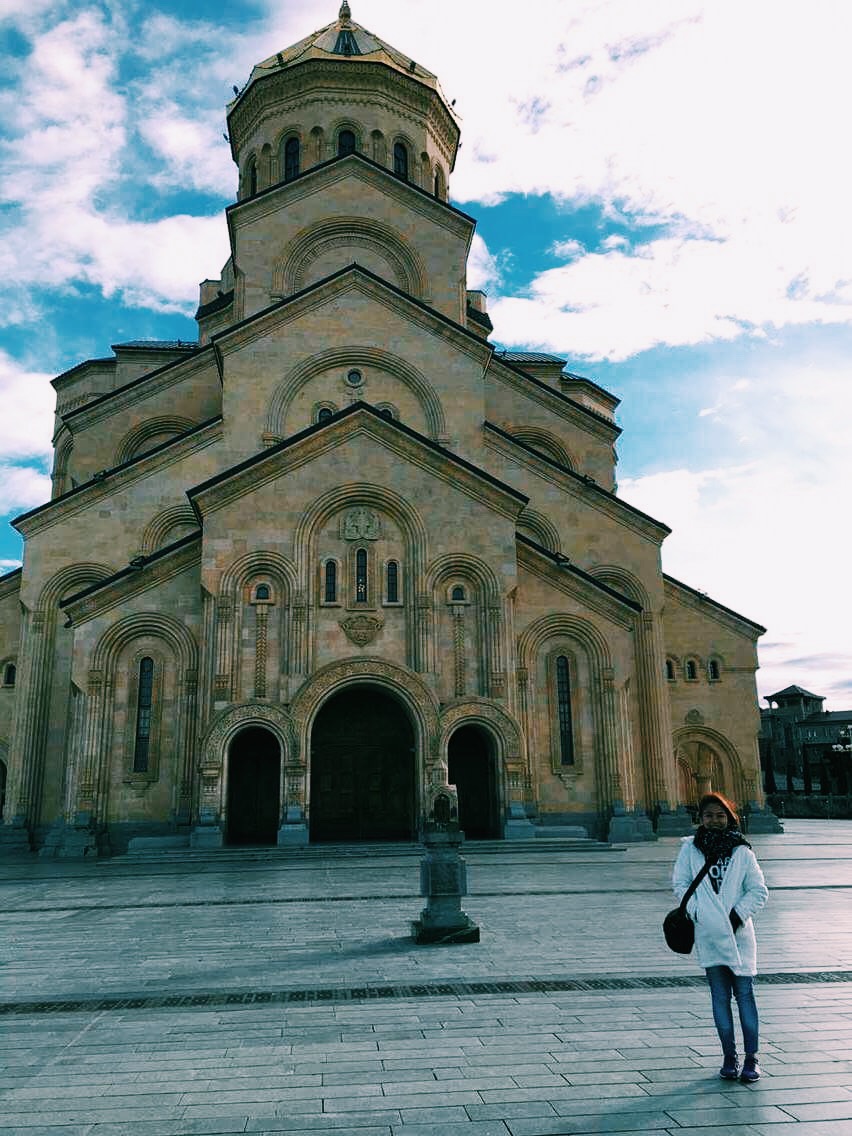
[[622, 827], [459, 660], [423, 633], [496, 684], [187, 718], [660, 767], [223, 679]]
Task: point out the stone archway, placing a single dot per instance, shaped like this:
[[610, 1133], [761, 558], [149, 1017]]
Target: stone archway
[[363, 768], [472, 768], [253, 806]]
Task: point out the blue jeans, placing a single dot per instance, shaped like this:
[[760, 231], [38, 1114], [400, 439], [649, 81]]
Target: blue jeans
[[724, 983]]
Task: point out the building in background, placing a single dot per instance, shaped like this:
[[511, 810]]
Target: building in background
[[804, 748], [340, 548]]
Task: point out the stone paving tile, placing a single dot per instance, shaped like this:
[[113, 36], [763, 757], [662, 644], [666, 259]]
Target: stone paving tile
[[643, 1041], [508, 1111], [367, 1122], [612, 1122], [834, 1110], [696, 1118], [469, 1128], [806, 1128]]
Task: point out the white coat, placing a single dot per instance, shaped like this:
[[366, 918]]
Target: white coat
[[742, 890]]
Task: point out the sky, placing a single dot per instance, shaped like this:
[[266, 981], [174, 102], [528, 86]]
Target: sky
[[662, 191]]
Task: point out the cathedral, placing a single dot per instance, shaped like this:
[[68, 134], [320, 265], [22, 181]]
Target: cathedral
[[341, 549]]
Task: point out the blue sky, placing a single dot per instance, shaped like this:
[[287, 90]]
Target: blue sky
[[662, 196]]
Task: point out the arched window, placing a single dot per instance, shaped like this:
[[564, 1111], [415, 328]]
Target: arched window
[[361, 576], [392, 582], [251, 177], [713, 671], [563, 702], [346, 143], [292, 151], [457, 595], [261, 592], [400, 160], [691, 670], [9, 674], [324, 414], [670, 671], [144, 704], [330, 585]]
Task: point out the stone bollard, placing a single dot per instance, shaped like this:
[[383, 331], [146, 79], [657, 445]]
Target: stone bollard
[[443, 880]]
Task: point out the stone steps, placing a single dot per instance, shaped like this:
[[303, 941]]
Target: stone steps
[[314, 852]]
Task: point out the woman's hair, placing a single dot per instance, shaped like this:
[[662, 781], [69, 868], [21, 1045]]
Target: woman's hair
[[723, 803]]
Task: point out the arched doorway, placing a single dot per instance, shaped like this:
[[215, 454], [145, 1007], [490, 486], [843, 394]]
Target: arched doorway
[[362, 768], [473, 770], [254, 776]]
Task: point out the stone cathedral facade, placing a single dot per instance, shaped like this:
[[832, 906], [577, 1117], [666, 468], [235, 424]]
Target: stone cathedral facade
[[340, 548]]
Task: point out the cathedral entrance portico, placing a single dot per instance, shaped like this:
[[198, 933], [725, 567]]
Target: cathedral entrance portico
[[363, 768], [472, 768], [254, 777]]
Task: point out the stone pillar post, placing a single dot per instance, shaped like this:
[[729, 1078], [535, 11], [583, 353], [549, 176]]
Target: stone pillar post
[[496, 685], [187, 718], [621, 826], [222, 679], [660, 766], [422, 632]]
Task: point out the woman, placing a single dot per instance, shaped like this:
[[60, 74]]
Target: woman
[[722, 908]]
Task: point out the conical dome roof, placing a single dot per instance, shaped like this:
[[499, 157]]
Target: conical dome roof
[[344, 39]]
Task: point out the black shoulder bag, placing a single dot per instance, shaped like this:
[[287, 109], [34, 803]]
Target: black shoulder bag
[[678, 928]]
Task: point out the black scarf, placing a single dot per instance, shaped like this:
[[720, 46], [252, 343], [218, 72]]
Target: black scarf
[[716, 845]]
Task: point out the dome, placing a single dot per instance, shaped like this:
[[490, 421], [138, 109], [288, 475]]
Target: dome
[[340, 40]]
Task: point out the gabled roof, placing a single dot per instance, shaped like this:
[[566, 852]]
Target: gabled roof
[[104, 475], [268, 455], [794, 692], [611, 500], [166, 562], [565, 565], [703, 598]]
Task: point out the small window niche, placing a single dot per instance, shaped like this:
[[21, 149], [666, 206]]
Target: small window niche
[[670, 670], [400, 160], [714, 670], [347, 143], [9, 674], [363, 590], [144, 719], [392, 584], [261, 593], [292, 158], [330, 582], [690, 670]]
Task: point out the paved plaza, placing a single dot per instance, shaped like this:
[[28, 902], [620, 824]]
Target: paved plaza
[[281, 993]]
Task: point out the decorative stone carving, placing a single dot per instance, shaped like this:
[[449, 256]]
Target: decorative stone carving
[[362, 629], [250, 713], [361, 524], [694, 718]]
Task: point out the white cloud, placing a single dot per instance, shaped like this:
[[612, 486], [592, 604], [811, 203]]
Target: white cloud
[[719, 121], [22, 487], [26, 423], [768, 537], [483, 270], [67, 172]]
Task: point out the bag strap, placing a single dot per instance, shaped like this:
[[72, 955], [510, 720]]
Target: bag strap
[[687, 895]]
